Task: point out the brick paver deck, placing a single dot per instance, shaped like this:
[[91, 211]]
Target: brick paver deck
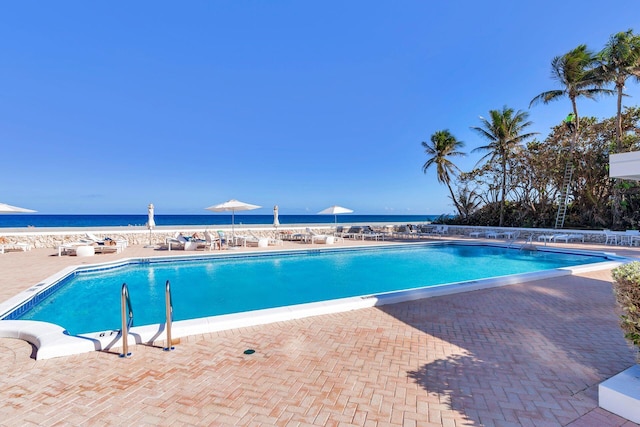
[[522, 355]]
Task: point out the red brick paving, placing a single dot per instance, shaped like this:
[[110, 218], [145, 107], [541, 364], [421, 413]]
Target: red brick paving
[[531, 354]]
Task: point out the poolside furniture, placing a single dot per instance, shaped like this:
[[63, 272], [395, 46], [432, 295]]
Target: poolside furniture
[[177, 242], [263, 242], [314, 237], [72, 249], [610, 237], [440, 230], [354, 232], [546, 238], [223, 239], [568, 237], [22, 246], [493, 234], [630, 237], [210, 241], [105, 249], [340, 231], [107, 241], [370, 233], [85, 250], [477, 234], [511, 235]]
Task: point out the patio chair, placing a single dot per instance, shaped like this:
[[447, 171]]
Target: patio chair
[[210, 241], [610, 238], [630, 237], [223, 238]]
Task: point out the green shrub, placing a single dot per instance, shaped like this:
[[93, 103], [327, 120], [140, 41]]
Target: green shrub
[[626, 287]]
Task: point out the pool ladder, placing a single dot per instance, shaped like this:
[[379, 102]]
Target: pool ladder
[[127, 318], [169, 312]]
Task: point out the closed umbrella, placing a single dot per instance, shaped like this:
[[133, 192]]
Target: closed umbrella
[[233, 205], [335, 210], [276, 221], [151, 223]]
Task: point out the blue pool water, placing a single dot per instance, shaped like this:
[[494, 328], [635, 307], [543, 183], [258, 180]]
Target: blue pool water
[[89, 301]]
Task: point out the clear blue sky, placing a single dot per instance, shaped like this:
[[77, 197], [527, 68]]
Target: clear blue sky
[[108, 106]]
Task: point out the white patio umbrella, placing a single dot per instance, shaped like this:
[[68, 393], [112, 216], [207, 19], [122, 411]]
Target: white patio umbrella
[[4, 208], [276, 221], [151, 223], [233, 205], [335, 210]]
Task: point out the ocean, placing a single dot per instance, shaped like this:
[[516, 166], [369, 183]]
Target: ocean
[[72, 221]]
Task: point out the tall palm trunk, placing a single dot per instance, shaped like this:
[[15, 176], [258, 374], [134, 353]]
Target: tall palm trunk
[[504, 190], [619, 87], [616, 196], [455, 202]]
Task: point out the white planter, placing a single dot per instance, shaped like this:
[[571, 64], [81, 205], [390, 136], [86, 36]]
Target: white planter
[[620, 394]]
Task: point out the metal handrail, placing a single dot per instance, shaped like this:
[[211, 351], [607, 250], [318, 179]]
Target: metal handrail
[[127, 319], [169, 312]]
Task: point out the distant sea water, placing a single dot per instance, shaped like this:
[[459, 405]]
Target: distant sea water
[[72, 221]]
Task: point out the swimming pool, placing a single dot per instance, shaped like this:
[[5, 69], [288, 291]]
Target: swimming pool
[[88, 300]]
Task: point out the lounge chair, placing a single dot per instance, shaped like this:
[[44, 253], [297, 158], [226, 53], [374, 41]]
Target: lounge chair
[[85, 248], [262, 242], [354, 232], [568, 237], [92, 239], [440, 230], [493, 234], [177, 242], [340, 231], [478, 234], [4, 246], [546, 238], [314, 237], [369, 233]]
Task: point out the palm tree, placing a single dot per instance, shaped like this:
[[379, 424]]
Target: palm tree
[[575, 70], [505, 132], [620, 60], [443, 146]]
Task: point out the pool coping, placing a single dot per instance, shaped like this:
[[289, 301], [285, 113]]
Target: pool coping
[[52, 340]]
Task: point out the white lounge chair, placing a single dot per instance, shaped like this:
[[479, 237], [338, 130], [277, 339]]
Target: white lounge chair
[[314, 237], [177, 242], [440, 230], [568, 237], [119, 244], [477, 234], [19, 246], [493, 234], [369, 233]]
